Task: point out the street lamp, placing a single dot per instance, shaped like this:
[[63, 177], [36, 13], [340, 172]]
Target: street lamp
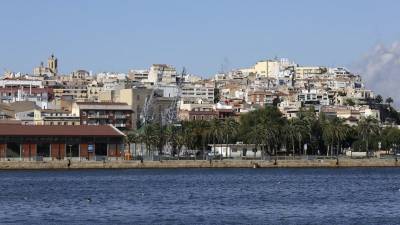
[[70, 151]]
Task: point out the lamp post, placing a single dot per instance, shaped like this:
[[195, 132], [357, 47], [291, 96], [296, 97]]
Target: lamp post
[[70, 151]]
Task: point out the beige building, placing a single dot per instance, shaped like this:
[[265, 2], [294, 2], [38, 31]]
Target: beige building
[[162, 73], [308, 71], [93, 92], [50, 70], [267, 68], [59, 117], [135, 98]]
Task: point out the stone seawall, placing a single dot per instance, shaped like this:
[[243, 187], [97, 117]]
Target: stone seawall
[[31, 165]]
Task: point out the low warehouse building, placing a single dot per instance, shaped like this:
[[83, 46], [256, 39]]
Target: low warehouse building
[[45, 142]]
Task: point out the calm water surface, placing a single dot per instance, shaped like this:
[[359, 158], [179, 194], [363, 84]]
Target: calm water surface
[[201, 196]]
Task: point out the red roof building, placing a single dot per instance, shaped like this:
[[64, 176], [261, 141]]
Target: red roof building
[[49, 142]]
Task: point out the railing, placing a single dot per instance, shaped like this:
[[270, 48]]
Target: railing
[[98, 116]]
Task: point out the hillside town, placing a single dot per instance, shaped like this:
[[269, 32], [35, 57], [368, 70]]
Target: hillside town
[[123, 100], [165, 95]]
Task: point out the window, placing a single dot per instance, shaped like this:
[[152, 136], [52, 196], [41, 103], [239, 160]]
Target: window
[[12, 150], [43, 149]]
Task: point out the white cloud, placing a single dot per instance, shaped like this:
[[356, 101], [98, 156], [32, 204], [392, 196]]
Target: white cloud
[[380, 70]]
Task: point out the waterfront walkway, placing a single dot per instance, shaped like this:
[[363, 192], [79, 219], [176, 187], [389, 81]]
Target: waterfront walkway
[[134, 164]]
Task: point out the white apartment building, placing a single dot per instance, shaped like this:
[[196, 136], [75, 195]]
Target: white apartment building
[[169, 90], [197, 91], [20, 83]]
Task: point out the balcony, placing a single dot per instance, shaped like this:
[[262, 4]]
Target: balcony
[[98, 116]]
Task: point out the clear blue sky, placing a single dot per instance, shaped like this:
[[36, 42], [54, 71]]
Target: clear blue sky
[[201, 35]]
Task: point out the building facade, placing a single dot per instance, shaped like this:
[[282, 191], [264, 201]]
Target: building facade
[[104, 113], [25, 142]]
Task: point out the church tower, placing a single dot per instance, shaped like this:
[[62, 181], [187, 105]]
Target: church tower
[[52, 64]]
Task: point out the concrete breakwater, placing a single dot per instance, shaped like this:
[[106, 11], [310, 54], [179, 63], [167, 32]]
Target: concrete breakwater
[[122, 164]]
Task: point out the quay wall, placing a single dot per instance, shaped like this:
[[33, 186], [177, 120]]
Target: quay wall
[[122, 164]]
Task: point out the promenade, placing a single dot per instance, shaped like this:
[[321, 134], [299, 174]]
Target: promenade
[[125, 164]]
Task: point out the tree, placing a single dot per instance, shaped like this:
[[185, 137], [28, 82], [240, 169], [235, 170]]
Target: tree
[[390, 138], [367, 127], [349, 102], [389, 101], [150, 136], [133, 137], [230, 128], [254, 136], [202, 129], [340, 132], [327, 136], [378, 99], [294, 131], [217, 133]]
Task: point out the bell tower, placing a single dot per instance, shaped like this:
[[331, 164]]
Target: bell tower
[[52, 64]]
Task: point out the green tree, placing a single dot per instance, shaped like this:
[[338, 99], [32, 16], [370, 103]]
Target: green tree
[[390, 137], [349, 102], [202, 130], [379, 99], [339, 131], [230, 129], [216, 133], [389, 101], [367, 127], [295, 130], [133, 138], [150, 136]]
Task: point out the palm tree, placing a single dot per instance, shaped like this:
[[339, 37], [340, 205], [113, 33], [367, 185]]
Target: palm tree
[[217, 133], [389, 101], [367, 127], [295, 130], [339, 132], [327, 136], [269, 133], [255, 137], [309, 121], [150, 136], [230, 128], [379, 99], [390, 138], [172, 133], [188, 135], [202, 130], [132, 137]]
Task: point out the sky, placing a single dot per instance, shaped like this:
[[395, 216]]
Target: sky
[[119, 35]]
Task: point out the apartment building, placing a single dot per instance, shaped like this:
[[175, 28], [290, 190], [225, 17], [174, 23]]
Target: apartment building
[[162, 73], [59, 117], [101, 113], [198, 91], [309, 71]]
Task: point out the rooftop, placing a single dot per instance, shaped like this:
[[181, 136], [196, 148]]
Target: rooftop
[[55, 130]]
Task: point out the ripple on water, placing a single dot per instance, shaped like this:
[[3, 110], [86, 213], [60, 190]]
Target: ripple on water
[[201, 196]]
